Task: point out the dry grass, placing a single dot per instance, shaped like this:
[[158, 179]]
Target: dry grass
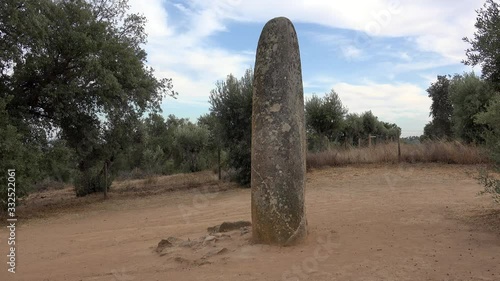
[[57, 200], [159, 184], [52, 201], [173, 180], [427, 152]]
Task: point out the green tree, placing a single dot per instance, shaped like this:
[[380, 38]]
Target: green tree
[[15, 154], [157, 131], [486, 42], [430, 131], [58, 163], [485, 108], [441, 110], [159, 147], [325, 116], [191, 141], [210, 121], [353, 128], [152, 149], [469, 95], [231, 103], [491, 119], [370, 122], [91, 91], [214, 149], [390, 130]]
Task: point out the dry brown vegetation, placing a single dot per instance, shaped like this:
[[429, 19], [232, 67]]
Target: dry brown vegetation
[[427, 152], [207, 181], [158, 184], [53, 201]]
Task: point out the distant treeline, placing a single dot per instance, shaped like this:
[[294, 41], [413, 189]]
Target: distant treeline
[[89, 111]]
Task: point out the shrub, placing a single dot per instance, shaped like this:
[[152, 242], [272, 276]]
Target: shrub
[[190, 143], [491, 185], [49, 184], [91, 181], [231, 104]]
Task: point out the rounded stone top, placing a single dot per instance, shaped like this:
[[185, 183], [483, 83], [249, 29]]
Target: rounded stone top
[[280, 19], [277, 57], [278, 26]]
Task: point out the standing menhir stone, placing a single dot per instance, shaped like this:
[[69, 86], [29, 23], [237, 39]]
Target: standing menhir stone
[[278, 138]]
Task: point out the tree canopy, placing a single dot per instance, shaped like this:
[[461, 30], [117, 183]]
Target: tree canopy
[[231, 104], [469, 95], [325, 116], [441, 110], [486, 42], [77, 69]]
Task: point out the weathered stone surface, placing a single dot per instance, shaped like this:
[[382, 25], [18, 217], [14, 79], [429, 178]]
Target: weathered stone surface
[[210, 238], [164, 243], [167, 243], [278, 138], [228, 226]]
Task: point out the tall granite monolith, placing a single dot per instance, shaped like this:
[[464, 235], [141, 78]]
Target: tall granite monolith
[[278, 138]]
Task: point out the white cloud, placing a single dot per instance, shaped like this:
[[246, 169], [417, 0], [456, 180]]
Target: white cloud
[[429, 78], [319, 81], [182, 50], [157, 18], [437, 26], [347, 47], [389, 102], [404, 56], [405, 104]]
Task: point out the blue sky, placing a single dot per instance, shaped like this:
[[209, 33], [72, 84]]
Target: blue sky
[[377, 55]]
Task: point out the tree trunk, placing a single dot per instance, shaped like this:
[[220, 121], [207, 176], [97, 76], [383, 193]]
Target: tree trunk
[[106, 180], [219, 164], [399, 149]]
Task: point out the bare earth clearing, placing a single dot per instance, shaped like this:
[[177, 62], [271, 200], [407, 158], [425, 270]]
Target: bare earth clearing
[[372, 222]]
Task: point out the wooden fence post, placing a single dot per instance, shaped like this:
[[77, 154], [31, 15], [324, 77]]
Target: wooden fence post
[[106, 180], [218, 160], [399, 149]]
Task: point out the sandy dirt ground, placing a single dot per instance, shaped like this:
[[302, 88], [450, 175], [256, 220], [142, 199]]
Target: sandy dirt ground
[[411, 222]]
